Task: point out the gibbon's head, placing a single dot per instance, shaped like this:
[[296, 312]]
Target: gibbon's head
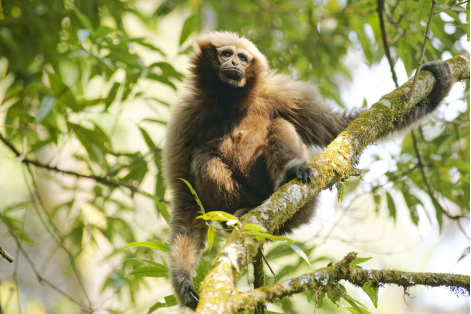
[[234, 60]]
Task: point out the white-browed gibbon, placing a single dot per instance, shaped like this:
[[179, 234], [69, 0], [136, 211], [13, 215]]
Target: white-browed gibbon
[[239, 132]]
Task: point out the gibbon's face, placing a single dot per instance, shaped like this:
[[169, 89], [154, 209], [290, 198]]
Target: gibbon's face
[[234, 62]]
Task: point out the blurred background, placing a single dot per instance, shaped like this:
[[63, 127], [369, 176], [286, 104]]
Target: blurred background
[[86, 87]]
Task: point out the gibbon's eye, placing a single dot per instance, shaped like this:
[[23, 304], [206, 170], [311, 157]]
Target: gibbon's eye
[[226, 54], [243, 58]]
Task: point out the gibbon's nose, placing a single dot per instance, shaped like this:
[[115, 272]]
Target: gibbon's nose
[[234, 62]]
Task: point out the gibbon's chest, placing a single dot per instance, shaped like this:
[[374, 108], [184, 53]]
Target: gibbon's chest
[[239, 145]]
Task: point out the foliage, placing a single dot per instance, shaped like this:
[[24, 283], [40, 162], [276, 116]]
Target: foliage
[[71, 71]]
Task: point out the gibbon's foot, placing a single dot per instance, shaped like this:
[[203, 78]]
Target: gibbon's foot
[[189, 297], [301, 172], [443, 83]]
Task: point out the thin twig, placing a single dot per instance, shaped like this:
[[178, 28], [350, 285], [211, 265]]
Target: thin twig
[[452, 6], [385, 40], [424, 47], [132, 163], [259, 278], [41, 279], [6, 255], [104, 180], [427, 182], [269, 267]]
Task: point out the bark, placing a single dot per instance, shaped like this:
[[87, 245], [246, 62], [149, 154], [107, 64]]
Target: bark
[[218, 292]]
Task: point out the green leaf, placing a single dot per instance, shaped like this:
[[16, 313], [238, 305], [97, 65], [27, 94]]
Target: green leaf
[[211, 233], [201, 272], [83, 19], [254, 227], [161, 207], [301, 253], [158, 270], [263, 236], [372, 292], [377, 201], [170, 300], [353, 303], [188, 27], [112, 95], [412, 202], [391, 206], [156, 121], [147, 138], [194, 195], [359, 260], [465, 253], [467, 17], [357, 310], [152, 245], [218, 215], [420, 13], [156, 306], [47, 104]]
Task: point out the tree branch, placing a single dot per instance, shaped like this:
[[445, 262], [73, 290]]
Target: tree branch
[[357, 276], [428, 184], [334, 165], [6, 255], [424, 47], [105, 180], [385, 40], [451, 6]]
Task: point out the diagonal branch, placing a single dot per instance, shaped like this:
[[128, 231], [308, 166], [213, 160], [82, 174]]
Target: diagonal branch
[[105, 180], [334, 165]]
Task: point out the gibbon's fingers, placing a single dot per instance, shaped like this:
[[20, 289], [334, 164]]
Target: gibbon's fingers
[[443, 84], [301, 172]]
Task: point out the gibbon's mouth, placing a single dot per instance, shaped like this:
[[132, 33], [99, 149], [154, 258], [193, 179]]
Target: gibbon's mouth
[[233, 73]]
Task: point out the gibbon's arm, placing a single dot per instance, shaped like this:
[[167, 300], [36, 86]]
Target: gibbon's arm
[[188, 233], [301, 103]]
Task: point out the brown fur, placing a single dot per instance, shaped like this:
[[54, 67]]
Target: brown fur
[[237, 143]]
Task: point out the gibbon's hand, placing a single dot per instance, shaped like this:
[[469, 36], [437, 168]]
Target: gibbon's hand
[[301, 172]]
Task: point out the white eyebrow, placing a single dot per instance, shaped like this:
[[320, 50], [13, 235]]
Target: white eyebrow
[[221, 49], [245, 53]]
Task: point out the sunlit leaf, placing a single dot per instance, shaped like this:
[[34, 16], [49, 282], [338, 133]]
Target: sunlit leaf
[[152, 245], [211, 233], [372, 292], [188, 27], [158, 270], [194, 195], [301, 253], [391, 205]]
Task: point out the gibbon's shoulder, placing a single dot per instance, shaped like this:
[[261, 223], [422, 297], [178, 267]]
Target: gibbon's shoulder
[[284, 90]]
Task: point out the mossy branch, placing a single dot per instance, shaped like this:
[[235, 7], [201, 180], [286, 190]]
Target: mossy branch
[[357, 276], [218, 292]]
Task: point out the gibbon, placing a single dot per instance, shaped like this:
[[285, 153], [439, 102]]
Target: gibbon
[[241, 131]]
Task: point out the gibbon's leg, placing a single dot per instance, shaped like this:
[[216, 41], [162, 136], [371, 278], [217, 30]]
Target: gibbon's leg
[[286, 154], [443, 84], [188, 239]]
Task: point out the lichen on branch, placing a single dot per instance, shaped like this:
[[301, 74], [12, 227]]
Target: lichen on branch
[[343, 270]]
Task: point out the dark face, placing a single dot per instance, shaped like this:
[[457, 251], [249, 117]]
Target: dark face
[[233, 64]]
